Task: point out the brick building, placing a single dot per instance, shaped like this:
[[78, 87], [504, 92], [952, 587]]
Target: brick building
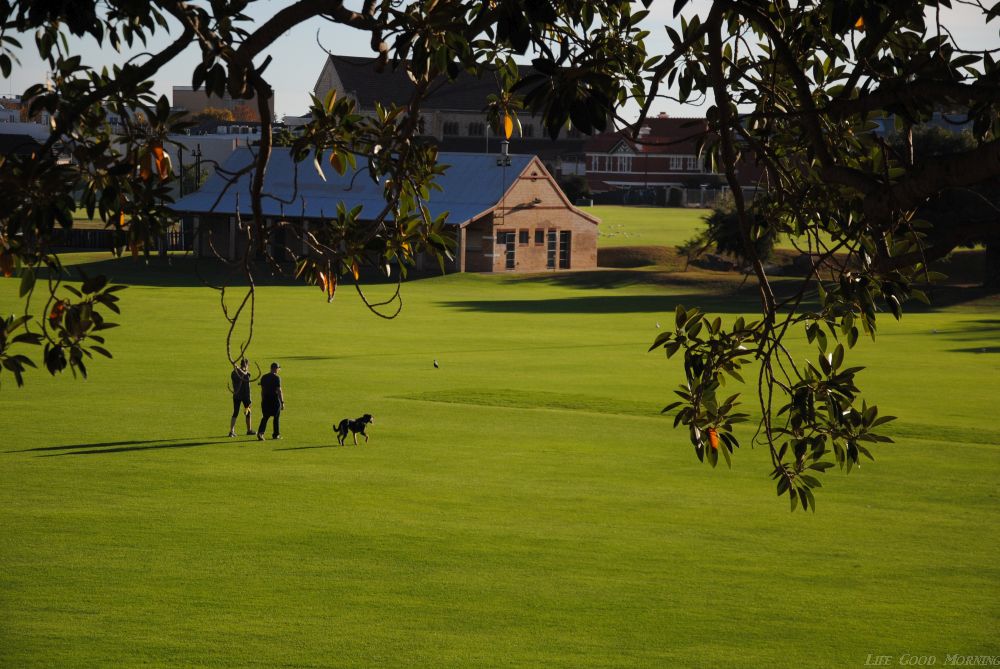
[[661, 165], [664, 154], [504, 217]]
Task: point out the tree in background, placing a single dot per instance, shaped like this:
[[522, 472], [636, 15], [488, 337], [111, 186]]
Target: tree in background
[[954, 217], [723, 233], [575, 187], [243, 112], [794, 85], [214, 114], [283, 137]]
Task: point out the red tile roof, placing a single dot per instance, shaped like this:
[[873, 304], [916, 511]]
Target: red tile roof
[[666, 135]]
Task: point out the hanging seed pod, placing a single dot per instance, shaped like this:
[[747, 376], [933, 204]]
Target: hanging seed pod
[[713, 438]]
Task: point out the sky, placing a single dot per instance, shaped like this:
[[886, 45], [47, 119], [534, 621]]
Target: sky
[[298, 56]]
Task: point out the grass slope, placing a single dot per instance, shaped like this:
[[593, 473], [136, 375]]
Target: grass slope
[[523, 505]]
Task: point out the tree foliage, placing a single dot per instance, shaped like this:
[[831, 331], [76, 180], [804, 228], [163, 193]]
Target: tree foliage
[[795, 86], [243, 112], [955, 217], [214, 114], [725, 233]]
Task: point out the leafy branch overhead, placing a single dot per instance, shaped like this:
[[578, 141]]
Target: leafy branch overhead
[[795, 91]]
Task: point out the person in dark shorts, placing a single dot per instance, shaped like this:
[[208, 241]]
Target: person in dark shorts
[[241, 396], [271, 401]]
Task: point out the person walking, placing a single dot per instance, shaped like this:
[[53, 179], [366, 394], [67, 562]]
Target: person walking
[[272, 401], [241, 396]]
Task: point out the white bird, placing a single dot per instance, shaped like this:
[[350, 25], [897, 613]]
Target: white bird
[[657, 325], [436, 365]]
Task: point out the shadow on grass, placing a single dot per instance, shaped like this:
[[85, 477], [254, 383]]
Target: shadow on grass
[[607, 304], [125, 449], [306, 448], [973, 331], [717, 292], [117, 446], [186, 270], [100, 444]]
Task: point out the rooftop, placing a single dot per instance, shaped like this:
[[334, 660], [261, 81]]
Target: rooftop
[[465, 92], [472, 184]]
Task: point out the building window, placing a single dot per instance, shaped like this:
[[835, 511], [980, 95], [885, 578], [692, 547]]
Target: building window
[[477, 129], [692, 163], [539, 237], [564, 248], [623, 164], [676, 162], [451, 127], [527, 130], [522, 237]]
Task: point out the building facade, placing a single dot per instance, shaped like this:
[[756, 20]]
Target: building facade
[[452, 115], [662, 164], [505, 216], [664, 154]]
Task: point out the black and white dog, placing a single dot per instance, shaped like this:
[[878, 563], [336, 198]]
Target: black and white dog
[[354, 426]]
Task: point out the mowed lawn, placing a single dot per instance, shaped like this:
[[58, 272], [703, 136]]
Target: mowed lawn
[[522, 506], [656, 226], [646, 226]]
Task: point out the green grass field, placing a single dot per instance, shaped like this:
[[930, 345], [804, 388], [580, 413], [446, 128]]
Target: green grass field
[[645, 226], [522, 506]]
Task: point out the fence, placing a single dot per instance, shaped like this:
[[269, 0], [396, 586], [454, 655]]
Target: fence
[[175, 240], [669, 196]]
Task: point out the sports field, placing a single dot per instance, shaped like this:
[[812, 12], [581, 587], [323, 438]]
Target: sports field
[[524, 505]]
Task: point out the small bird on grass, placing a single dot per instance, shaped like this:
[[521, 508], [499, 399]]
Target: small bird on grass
[[436, 365]]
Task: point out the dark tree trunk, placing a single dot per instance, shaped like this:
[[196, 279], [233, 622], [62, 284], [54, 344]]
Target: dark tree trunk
[[991, 265]]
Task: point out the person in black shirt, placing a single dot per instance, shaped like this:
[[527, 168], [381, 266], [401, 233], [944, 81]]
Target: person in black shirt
[[241, 396], [271, 401]]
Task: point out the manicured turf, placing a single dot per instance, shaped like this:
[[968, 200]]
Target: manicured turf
[[646, 226], [654, 226], [523, 505]]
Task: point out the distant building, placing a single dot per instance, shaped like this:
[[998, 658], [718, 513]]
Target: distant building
[[953, 121], [664, 153], [192, 101], [453, 114], [210, 148], [14, 121], [661, 165], [503, 217]]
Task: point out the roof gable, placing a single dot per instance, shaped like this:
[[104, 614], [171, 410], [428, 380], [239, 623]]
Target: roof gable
[[533, 171], [660, 135]]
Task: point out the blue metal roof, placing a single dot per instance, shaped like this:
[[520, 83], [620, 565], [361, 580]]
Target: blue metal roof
[[472, 184]]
